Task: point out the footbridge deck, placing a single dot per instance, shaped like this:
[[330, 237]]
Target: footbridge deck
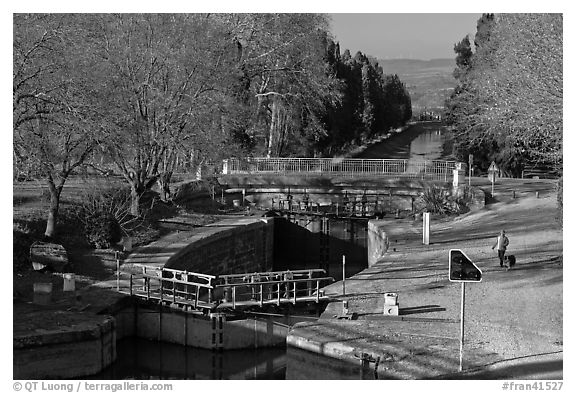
[[204, 292]]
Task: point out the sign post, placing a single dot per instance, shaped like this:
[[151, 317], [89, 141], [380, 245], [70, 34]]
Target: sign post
[[462, 302], [462, 269], [343, 274], [492, 170], [470, 163]]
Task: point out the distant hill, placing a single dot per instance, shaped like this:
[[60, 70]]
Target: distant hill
[[429, 82]]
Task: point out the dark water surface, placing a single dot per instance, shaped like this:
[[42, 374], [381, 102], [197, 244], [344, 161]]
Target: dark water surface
[[421, 142], [145, 359]]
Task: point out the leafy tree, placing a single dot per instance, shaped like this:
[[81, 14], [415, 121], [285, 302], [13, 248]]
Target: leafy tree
[[281, 55], [464, 54], [372, 102], [483, 30], [508, 106]]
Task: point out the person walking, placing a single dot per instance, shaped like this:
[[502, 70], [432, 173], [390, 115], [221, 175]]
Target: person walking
[[501, 242]]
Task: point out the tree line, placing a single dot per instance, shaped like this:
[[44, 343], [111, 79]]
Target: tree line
[[507, 106], [150, 94]]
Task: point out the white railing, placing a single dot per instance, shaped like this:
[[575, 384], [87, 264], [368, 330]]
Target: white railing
[[437, 170]]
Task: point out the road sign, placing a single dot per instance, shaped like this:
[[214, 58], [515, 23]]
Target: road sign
[[470, 164], [461, 268], [493, 167]]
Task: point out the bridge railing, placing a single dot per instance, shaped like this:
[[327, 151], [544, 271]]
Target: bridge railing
[[173, 286], [432, 169], [273, 291], [204, 291]]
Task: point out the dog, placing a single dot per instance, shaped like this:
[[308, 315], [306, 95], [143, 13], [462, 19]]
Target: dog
[[509, 261]]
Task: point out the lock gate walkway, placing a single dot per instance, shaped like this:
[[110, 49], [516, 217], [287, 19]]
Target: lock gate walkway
[[206, 293]]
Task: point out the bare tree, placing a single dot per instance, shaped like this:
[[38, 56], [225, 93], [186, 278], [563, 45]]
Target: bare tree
[[53, 133], [161, 73]]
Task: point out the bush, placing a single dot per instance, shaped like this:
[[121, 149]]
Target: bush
[[105, 215], [21, 249], [102, 229], [437, 200]]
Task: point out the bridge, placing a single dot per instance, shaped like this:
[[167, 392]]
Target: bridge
[[340, 186], [347, 167], [209, 293]]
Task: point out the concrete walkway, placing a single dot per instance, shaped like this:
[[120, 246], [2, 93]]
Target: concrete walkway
[[513, 320]]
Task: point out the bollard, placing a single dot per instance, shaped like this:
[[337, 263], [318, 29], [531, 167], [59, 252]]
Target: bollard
[[537, 194], [391, 306], [426, 228], [69, 282], [127, 244], [513, 194]]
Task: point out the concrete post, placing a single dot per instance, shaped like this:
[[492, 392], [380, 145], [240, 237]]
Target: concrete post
[[458, 177], [426, 228]]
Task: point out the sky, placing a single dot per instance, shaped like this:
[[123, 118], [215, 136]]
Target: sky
[[407, 35]]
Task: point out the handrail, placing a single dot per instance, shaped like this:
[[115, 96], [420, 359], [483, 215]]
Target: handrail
[[169, 270], [302, 271], [175, 280], [257, 283]]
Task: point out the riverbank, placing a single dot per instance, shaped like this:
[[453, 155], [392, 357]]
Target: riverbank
[[514, 319]]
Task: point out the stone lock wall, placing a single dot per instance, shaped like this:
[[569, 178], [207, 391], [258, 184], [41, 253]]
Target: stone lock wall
[[378, 241], [208, 332], [233, 246], [82, 349]]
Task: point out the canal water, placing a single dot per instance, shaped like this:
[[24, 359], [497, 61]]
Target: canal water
[[300, 248], [421, 142], [145, 359]]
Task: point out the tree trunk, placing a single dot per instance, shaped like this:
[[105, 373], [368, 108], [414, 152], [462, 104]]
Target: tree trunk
[[53, 210], [164, 183], [134, 199], [273, 127]]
